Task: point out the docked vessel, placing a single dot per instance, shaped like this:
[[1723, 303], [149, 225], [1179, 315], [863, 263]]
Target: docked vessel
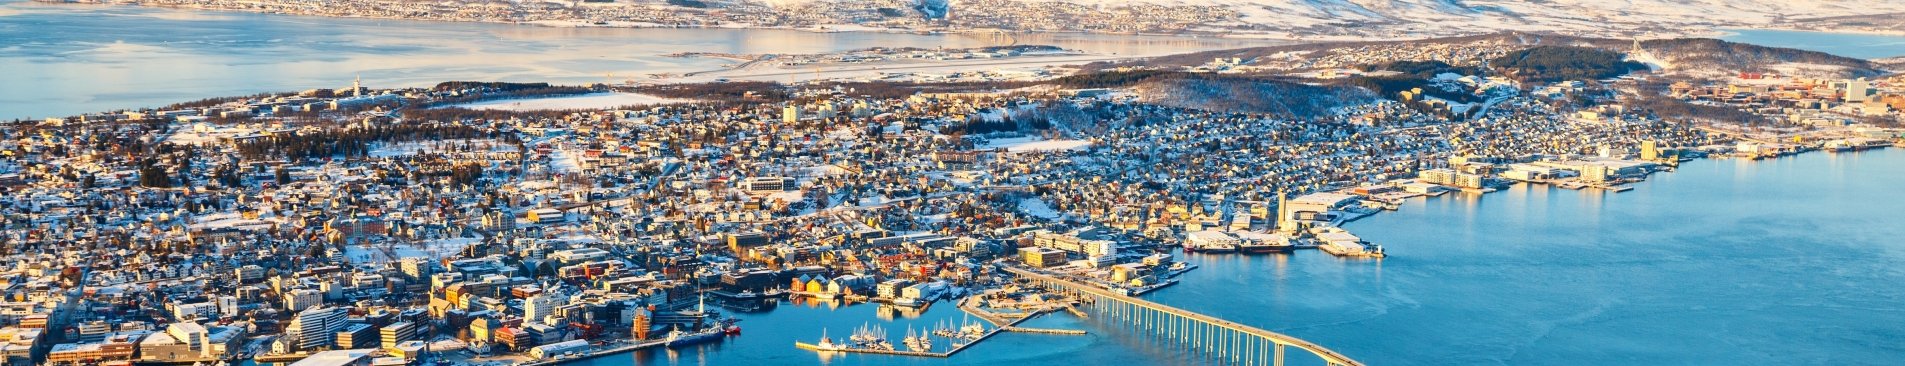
[[870, 337], [825, 344], [746, 295], [917, 342], [972, 331], [678, 338], [1210, 248], [1254, 242], [1210, 241]]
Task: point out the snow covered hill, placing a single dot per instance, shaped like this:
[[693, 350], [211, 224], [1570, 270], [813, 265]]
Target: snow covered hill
[[1400, 17]]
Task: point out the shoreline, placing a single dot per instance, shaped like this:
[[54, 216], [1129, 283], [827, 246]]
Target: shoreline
[[1268, 35], [819, 29]]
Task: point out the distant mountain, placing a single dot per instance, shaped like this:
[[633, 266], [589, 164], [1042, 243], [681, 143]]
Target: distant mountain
[[1371, 17], [1691, 56]]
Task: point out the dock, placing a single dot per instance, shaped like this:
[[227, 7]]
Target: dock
[[988, 316], [597, 353], [816, 348], [1011, 326], [280, 358], [1075, 312]]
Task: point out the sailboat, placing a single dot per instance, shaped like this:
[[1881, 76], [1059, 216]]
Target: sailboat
[[972, 330], [917, 342], [941, 329]]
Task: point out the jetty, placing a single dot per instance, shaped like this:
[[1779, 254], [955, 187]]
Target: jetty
[[1002, 326], [631, 347]]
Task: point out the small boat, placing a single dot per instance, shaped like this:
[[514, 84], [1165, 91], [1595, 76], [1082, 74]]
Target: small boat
[[826, 344], [746, 295]]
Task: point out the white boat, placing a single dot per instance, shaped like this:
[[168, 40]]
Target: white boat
[[827, 344], [920, 342], [677, 338], [972, 330]]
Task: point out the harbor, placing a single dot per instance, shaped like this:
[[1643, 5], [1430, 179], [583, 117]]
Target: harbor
[[969, 334], [624, 348]]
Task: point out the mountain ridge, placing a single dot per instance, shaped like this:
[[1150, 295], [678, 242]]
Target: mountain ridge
[[1301, 18]]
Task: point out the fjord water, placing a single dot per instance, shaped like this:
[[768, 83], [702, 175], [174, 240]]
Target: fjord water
[[1866, 46], [1728, 262], [65, 59], [1725, 262]]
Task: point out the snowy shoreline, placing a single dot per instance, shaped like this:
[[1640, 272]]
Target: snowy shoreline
[[567, 102]]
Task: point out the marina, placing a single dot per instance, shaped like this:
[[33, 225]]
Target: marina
[[1133, 210], [970, 334]]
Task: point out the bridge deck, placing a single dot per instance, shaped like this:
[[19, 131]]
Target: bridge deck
[[1326, 354]]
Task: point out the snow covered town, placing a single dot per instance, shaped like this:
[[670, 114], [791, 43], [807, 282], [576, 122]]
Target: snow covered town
[[382, 226]]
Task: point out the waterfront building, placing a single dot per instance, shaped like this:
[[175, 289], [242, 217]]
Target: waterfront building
[[316, 328], [891, 288], [1074, 244], [550, 351], [357, 335], [1040, 257], [540, 306]]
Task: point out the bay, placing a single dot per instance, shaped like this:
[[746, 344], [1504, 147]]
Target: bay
[[1855, 45], [1727, 262], [1724, 262], [66, 59]]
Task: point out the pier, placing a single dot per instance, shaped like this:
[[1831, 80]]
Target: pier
[[1224, 340], [597, 353], [970, 308], [999, 326], [889, 352], [281, 358]]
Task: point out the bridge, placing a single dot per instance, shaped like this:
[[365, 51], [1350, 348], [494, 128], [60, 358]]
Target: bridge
[[1224, 340]]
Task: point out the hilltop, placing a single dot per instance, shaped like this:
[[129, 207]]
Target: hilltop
[[1363, 18]]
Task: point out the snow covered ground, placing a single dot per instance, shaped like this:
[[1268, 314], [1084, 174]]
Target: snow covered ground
[[1037, 208], [1325, 19], [1033, 144], [586, 101], [375, 253], [562, 161]]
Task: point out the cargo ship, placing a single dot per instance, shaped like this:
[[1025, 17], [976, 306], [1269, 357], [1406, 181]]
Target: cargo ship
[[678, 338]]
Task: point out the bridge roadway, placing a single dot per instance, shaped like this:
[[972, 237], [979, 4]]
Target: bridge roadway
[[1176, 322]]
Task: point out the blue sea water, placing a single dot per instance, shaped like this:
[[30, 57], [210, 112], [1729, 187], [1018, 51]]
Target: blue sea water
[[1724, 262], [1866, 46], [66, 59]]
